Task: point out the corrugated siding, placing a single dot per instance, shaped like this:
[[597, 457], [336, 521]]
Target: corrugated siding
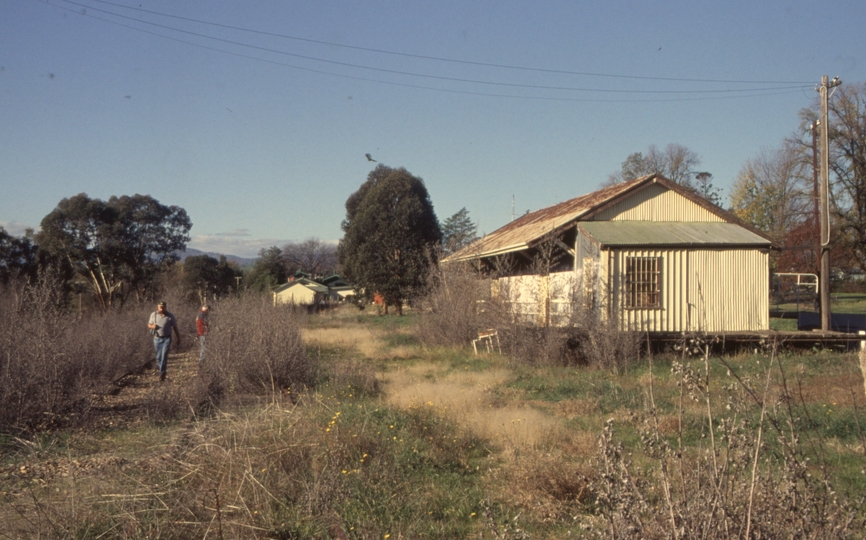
[[701, 290], [656, 203], [670, 316], [729, 291]]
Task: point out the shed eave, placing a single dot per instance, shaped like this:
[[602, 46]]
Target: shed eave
[[486, 254]]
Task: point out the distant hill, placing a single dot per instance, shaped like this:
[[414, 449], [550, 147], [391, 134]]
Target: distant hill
[[190, 252]]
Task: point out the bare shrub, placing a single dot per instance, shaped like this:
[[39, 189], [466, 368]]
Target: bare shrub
[[253, 346], [583, 338], [597, 342], [450, 309], [37, 376], [112, 345], [52, 358], [754, 473]]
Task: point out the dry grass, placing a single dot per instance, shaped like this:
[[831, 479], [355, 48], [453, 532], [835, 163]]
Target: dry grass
[[465, 398], [396, 439], [366, 341]]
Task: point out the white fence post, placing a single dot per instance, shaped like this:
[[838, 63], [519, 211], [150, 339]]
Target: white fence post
[[863, 357]]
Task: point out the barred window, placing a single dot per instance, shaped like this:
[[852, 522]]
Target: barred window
[[643, 282]]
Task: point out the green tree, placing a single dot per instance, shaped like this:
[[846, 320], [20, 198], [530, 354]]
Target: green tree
[[151, 235], [205, 277], [458, 231], [268, 271], [703, 186], [17, 257], [391, 233], [115, 247]]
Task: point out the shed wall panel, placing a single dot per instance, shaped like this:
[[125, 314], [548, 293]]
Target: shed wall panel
[[656, 203], [724, 290], [711, 290], [670, 315], [728, 290]]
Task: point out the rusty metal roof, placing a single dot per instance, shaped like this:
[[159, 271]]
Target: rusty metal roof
[[679, 233], [523, 231], [527, 230]]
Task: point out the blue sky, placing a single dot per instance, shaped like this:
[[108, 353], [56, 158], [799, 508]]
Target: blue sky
[[257, 124]]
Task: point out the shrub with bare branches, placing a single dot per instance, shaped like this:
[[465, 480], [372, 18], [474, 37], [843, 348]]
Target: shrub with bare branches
[[757, 472], [53, 358], [253, 346], [451, 314]]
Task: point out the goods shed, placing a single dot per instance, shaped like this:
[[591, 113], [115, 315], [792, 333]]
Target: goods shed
[[648, 253]]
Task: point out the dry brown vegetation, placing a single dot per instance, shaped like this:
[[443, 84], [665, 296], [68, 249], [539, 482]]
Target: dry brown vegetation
[[351, 425]]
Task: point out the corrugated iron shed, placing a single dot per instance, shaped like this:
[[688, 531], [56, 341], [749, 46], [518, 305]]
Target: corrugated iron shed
[[655, 233], [523, 231], [528, 230]]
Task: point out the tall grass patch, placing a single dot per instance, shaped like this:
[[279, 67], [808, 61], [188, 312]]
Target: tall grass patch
[[326, 468]]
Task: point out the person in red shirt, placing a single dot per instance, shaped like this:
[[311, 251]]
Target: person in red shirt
[[201, 328]]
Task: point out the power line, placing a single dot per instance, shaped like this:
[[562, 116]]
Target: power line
[[439, 58], [740, 93]]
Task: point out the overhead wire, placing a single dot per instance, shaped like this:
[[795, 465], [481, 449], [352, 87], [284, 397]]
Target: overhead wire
[[740, 93], [439, 58]]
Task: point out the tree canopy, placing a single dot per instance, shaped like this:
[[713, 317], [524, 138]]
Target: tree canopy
[[675, 162], [391, 233], [17, 257], [847, 132], [268, 270], [311, 256], [458, 231], [206, 278], [116, 247], [770, 192], [775, 192]]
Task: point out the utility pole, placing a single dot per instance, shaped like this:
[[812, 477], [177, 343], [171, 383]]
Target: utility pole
[[824, 124], [816, 216]]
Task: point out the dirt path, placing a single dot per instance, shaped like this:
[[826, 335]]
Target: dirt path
[[129, 402]]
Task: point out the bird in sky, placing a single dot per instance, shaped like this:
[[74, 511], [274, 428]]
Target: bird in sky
[[370, 158]]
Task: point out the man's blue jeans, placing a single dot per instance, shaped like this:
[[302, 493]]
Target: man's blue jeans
[[201, 349], [162, 345]]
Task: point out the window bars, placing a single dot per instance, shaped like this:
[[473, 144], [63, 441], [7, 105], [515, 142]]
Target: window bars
[[643, 282]]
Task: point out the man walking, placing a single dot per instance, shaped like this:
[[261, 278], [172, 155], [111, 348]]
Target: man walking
[[201, 323], [161, 324]]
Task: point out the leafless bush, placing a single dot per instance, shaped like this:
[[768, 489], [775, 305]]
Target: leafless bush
[[598, 342], [52, 358], [453, 310], [751, 475], [114, 344], [38, 379], [460, 304], [253, 346]]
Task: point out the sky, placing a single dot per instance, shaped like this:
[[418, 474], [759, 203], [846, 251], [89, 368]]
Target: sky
[[255, 117]]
